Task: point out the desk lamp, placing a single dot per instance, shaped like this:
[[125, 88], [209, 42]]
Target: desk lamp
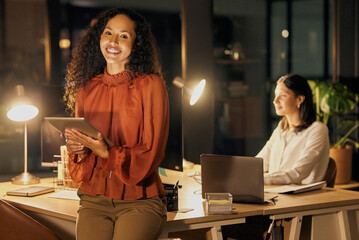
[[195, 93], [22, 111]]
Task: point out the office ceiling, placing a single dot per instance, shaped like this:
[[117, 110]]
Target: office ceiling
[[220, 7], [158, 5]]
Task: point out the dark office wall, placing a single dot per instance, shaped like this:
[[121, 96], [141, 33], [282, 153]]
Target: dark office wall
[[21, 62], [346, 42], [346, 57]]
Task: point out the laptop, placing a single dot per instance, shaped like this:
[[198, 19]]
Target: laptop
[[240, 176]]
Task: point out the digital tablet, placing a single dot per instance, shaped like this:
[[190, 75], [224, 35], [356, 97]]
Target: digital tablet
[[30, 191], [79, 124]]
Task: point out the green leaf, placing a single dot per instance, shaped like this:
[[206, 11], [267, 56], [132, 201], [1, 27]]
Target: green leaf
[[335, 100]]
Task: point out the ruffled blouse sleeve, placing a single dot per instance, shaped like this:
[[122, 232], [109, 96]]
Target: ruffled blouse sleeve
[[81, 171], [142, 160]]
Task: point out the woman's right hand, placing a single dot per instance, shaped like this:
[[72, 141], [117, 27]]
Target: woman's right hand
[[76, 148], [97, 146]]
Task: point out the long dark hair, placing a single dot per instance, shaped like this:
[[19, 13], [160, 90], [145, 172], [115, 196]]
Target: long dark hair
[[299, 85], [88, 61]]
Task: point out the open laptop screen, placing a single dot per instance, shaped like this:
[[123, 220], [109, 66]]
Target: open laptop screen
[[240, 176]]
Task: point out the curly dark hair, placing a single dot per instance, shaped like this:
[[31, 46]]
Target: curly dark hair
[[87, 60], [299, 85]]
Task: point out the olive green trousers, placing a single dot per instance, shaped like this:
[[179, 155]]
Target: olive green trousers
[[103, 218]]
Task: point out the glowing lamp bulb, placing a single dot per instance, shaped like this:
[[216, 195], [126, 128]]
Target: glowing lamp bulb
[[22, 113], [197, 92]]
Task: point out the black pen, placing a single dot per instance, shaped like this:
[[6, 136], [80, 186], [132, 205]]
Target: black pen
[[175, 186]]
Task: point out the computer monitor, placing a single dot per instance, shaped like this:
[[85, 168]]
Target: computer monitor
[[51, 141]]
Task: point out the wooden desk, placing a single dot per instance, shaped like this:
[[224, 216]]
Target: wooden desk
[[60, 214], [57, 214], [190, 197], [328, 208], [338, 207]]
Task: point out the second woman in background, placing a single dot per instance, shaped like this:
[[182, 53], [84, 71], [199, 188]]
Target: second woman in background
[[298, 150]]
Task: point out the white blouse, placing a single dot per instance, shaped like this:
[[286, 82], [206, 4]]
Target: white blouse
[[296, 158]]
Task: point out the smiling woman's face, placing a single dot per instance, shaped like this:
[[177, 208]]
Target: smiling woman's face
[[285, 101], [117, 41]]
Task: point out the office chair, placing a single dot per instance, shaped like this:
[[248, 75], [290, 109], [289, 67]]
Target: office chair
[[331, 173], [16, 225]]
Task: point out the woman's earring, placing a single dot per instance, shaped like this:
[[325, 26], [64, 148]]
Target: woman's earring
[[298, 106]]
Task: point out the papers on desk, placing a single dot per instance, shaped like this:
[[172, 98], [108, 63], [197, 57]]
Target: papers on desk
[[65, 194], [294, 189]]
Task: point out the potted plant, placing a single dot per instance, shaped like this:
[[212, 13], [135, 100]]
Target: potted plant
[[336, 100]]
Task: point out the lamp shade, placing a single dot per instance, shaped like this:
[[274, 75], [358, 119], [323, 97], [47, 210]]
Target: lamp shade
[[21, 108], [178, 82], [22, 112], [197, 91]]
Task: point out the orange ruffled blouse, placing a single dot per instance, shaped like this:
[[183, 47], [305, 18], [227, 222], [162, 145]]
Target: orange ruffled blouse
[[133, 112]]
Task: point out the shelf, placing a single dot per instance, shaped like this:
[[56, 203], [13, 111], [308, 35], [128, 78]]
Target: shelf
[[234, 62]]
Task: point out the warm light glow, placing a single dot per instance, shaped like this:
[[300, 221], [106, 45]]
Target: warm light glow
[[65, 43], [197, 92], [22, 113], [285, 33]]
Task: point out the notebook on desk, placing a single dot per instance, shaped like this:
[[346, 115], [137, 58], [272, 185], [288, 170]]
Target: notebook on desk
[[240, 176]]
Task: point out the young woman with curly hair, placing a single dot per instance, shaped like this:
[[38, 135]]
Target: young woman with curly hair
[[114, 81]]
